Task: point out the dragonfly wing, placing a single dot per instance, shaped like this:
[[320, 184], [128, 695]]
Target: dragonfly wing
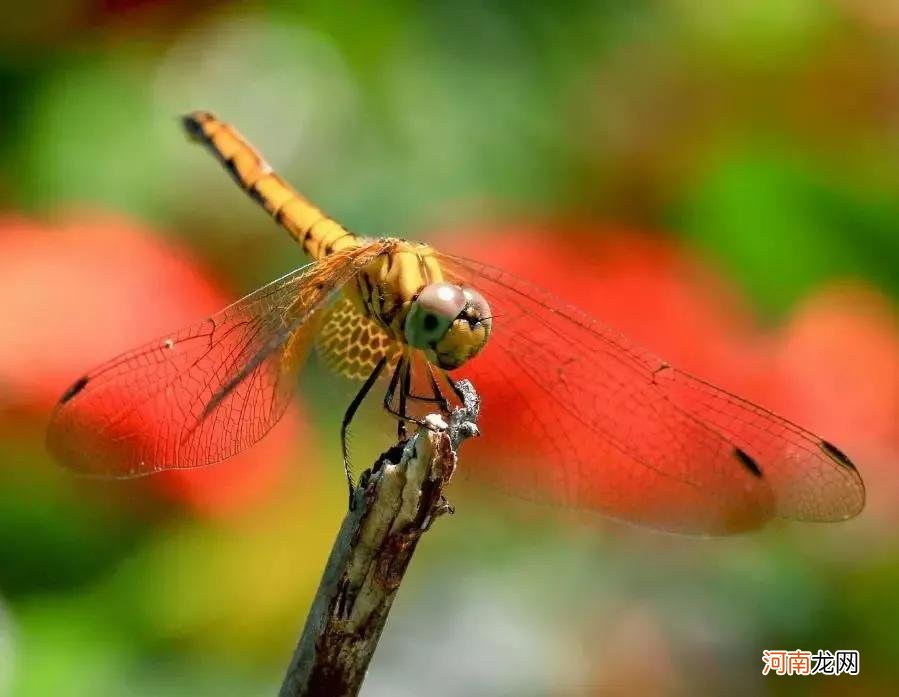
[[592, 421], [206, 392]]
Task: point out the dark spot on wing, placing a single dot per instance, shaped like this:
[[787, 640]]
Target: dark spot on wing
[[836, 454], [748, 462], [75, 388]]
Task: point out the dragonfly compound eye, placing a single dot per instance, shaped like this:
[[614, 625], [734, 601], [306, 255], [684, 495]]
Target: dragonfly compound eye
[[432, 313], [450, 324], [477, 310]]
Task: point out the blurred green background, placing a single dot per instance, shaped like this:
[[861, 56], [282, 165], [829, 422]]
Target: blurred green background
[[755, 141]]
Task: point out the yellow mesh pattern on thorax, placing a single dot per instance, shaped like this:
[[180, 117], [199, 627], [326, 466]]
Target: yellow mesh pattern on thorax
[[351, 343]]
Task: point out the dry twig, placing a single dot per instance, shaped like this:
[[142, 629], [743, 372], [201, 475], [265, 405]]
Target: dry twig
[[394, 505]]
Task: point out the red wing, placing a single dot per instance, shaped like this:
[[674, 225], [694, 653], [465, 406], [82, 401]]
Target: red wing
[[575, 414], [204, 393]]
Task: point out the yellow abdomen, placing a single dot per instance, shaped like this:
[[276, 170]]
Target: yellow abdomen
[[316, 232], [384, 290]]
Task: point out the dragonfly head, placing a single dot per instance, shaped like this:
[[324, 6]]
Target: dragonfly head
[[449, 323]]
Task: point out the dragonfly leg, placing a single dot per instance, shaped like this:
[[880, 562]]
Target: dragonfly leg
[[452, 384], [348, 418], [438, 393], [436, 397], [389, 396], [401, 378], [401, 433]]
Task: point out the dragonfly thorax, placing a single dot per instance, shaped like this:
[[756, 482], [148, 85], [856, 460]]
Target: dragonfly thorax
[[406, 292]]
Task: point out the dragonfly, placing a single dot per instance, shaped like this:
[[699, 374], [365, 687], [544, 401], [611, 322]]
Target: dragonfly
[[607, 426]]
